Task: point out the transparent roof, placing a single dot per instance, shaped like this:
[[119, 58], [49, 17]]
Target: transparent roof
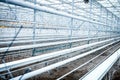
[[111, 5], [79, 5]]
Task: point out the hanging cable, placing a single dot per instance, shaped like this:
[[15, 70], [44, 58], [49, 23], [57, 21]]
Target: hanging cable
[[5, 53]]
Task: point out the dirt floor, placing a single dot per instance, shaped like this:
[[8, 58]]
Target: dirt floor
[[58, 72], [117, 75]]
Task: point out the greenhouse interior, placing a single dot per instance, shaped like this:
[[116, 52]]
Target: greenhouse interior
[[59, 39]]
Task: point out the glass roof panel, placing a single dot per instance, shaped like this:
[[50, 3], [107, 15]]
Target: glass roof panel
[[111, 5]]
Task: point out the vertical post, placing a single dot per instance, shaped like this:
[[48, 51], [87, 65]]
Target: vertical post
[[90, 4], [106, 17], [34, 28], [72, 18], [111, 27], [117, 27], [107, 25], [115, 23], [101, 17], [71, 25], [100, 13], [15, 18], [110, 22]]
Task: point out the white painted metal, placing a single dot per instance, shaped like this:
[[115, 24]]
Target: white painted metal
[[40, 40], [99, 72], [44, 69], [37, 45], [30, 60], [48, 10], [68, 73]]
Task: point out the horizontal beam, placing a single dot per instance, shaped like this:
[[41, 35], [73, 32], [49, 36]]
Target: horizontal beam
[[37, 45], [80, 66], [5, 38], [99, 72], [34, 59], [48, 10], [36, 40], [44, 40], [58, 64]]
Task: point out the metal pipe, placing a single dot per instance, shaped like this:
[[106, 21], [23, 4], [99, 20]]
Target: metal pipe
[[45, 40], [30, 60], [39, 37], [99, 72], [47, 10], [44, 69], [68, 73], [37, 45]]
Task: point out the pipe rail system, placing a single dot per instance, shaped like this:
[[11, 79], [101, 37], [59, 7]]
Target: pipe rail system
[[75, 69], [99, 71], [37, 37], [48, 10], [27, 38], [31, 60], [58, 64], [36, 45], [25, 22], [40, 40], [45, 40], [102, 69]]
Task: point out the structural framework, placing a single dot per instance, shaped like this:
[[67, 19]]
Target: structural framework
[[59, 39]]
